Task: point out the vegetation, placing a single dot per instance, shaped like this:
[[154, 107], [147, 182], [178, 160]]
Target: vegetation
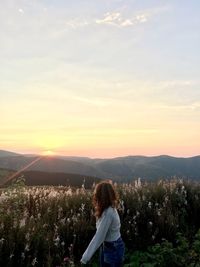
[[3, 174], [52, 226], [121, 169], [182, 253]]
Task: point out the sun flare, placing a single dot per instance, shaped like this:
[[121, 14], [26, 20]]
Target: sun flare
[[48, 153]]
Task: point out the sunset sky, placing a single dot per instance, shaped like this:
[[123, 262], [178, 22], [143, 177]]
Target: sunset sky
[[100, 78]]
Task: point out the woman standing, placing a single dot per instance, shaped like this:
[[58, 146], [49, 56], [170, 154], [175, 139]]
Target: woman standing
[[107, 236]]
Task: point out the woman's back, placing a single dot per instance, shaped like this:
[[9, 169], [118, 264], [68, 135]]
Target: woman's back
[[111, 216]]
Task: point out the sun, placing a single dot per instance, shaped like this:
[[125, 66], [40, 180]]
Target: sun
[[48, 153]]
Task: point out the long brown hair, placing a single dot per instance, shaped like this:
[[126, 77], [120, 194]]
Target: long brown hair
[[104, 196]]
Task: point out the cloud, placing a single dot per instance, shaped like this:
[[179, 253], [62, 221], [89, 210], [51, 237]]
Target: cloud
[[127, 22], [116, 19], [110, 18], [143, 16]]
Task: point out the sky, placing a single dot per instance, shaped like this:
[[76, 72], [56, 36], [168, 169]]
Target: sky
[[100, 78]]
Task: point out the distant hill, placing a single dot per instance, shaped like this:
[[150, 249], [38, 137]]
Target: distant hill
[[49, 164], [122, 168], [152, 167], [4, 153]]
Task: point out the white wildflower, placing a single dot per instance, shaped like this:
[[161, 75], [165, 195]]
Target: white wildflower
[[27, 247], [34, 261], [22, 223], [150, 223], [23, 255], [2, 240]]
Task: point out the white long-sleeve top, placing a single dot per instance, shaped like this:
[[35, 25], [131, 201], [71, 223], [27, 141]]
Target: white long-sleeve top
[[108, 229]]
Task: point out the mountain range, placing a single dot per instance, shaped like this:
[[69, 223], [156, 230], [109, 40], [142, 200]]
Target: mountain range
[[122, 169]]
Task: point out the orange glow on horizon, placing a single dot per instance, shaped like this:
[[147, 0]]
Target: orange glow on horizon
[[48, 153]]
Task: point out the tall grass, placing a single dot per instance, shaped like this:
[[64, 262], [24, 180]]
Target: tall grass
[[52, 226]]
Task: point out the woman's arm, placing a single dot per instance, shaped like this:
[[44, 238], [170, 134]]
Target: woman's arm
[[99, 237]]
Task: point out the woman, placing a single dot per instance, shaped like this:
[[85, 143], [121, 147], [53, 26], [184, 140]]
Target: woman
[[107, 236]]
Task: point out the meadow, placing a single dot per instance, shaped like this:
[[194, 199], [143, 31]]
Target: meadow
[[52, 226]]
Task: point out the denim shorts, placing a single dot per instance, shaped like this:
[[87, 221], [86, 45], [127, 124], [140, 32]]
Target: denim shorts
[[112, 253]]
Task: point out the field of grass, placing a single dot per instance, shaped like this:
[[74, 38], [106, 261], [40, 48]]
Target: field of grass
[[52, 226]]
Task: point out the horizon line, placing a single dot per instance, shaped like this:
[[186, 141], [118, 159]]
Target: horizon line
[[90, 157]]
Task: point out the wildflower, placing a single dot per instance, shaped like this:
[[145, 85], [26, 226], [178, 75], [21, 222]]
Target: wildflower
[[82, 207], [138, 183], [27, 236], [48, 210], [70, 248], [83, 186], [159, 213], [15, 224], [66, 259], [143, 197], [2, 240], [166, 199], [122, 205], [34, 261], [23, 255], [22, 223], [150, 223], [69, 192], [56, 241], [62, 221], [27, 247]]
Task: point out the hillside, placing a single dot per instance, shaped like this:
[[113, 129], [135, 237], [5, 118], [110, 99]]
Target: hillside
[[4, 153], [151, 167], [49, 164], [38, 178], [121, 168]]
